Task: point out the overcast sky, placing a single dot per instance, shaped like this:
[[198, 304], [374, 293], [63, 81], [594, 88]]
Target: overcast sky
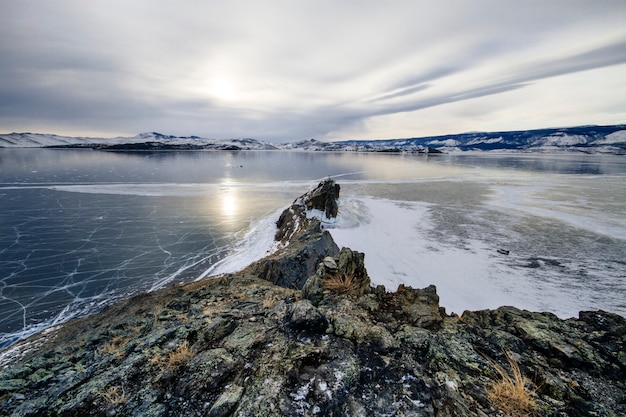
[[291, 70]]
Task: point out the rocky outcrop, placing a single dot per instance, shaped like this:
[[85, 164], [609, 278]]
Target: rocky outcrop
[[300, 238], [343, 274], [239, 345], [324, 198]]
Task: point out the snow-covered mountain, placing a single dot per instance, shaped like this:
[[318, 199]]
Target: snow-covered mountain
[[143, 141], [589, 139]]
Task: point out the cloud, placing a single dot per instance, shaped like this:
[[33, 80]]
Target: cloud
[[609, 55], [295, 70]]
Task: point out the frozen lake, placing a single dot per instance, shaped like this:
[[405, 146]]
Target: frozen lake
[[80, 229]]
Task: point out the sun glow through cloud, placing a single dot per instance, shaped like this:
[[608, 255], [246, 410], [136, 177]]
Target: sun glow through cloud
[[223, 88]]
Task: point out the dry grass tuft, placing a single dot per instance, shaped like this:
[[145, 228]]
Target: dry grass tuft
[[212, 309], [240, 296], [183, 317], [114, 346], [268, 302], [180, 356], [115, 395], [510, 394], [136, 329], [341, 283], [277, 294]]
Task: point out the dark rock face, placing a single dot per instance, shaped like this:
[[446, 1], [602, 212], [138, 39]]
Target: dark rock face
[[294, 219], [291, 266], [303, 242], [239, 345], [324, 198]]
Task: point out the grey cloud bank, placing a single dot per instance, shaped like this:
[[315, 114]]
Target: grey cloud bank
[[331, 70]]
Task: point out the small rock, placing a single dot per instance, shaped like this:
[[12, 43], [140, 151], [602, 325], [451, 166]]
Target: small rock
[[313, 290], [19, 397], [303, 315], [329, 262], [226, 402]]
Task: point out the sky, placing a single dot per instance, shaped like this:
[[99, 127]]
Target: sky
[[325, 69]]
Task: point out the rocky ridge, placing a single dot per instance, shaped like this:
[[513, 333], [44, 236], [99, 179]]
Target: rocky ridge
[[303, 333]]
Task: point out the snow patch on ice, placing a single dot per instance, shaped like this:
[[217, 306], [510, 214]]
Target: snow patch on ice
[[398, 250], [535, 200]]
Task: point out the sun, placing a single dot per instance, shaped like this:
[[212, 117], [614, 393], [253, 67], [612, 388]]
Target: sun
[[223, 88]]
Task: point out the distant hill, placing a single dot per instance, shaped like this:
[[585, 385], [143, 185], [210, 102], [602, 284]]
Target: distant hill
[[588, 139], [143, 141]]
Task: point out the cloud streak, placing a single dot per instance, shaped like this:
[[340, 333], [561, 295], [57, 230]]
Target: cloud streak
[[609, 55], [331, 70]]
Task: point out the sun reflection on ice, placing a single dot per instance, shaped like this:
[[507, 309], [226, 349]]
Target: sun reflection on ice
[[230, 203]]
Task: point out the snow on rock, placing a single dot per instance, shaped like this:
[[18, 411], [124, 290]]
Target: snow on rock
[[446, 142], [615, 137], [485, 140], [563, 139], [154, 139], [36, 140]]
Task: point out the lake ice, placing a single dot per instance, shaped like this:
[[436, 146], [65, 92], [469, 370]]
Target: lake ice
[[83, 228]]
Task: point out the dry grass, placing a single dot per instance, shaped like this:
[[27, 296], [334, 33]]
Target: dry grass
[[268, 302], [135, 330], [183, 318], [114, 346], [157, 360], [213, 309], [180, 356], [115, 395], [240, 296], [341, 284], [276, 294], [510, 393]]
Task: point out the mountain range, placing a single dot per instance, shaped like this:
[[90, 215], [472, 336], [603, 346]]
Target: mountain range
[[588, 139]]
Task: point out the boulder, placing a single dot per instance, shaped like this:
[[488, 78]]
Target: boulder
[[302, 315]]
